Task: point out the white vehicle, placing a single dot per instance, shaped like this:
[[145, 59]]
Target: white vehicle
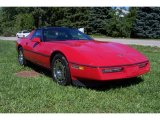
[[23, 33]]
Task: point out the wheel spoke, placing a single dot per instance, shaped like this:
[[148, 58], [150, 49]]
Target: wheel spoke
[[20, 57], [59, 70], [63, 71]]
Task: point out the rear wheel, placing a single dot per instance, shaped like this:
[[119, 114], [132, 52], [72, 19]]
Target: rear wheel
[[60, 70], [22, 61]]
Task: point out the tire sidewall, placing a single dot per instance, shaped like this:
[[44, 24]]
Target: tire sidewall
[[67, 80], [24, 61]]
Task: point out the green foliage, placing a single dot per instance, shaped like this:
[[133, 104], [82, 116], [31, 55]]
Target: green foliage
[[15, 19], [28, 18], [24, 22], [147, 24], [77, 17], [118, 26], [70, 17], [0, 20], [97, 19], [7, 29], [38, 15]]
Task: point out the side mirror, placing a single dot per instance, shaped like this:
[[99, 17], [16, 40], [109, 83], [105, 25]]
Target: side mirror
[[36, 39]]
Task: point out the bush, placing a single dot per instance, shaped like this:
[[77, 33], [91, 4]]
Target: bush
[[23, 22], [147, 24], [8, 33]]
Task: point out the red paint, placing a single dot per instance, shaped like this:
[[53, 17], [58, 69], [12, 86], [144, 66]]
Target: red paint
[[92, 55]]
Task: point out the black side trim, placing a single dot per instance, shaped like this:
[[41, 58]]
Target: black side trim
[[37, 53], [109, 66]]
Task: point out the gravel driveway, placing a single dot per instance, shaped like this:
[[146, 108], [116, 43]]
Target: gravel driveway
[[148, 42], [8, 38]]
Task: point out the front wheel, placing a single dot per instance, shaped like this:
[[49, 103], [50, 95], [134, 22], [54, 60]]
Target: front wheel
[[60, 70], [22, 61]]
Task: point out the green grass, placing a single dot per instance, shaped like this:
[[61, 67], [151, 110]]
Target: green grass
[[41, 94], [99, 36]]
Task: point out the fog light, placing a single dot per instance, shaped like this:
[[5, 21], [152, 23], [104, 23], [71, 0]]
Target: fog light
[[112, 69], [78, 67]]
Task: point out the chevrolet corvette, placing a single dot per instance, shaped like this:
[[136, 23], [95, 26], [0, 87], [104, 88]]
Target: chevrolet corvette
[[72, 55]]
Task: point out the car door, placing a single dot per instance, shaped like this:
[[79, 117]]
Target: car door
[[28, 47], [38, 51]]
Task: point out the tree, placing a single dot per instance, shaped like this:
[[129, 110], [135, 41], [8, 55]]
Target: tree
[[73, 17], [121, 22], [1, 20], [24, 22], [147, 24], [97, 19], [38, 14]]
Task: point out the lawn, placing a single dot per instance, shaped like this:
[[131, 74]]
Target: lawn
[[41, 94]]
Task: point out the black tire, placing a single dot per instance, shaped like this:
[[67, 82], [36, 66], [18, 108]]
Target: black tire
[[21, 59], [60, 70]]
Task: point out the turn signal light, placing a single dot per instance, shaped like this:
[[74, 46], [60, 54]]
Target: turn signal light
[[78, 67]]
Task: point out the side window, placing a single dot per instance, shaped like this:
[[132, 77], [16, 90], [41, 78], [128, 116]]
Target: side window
[[30, 35], [50, 35], [77, 35], [37, 33]]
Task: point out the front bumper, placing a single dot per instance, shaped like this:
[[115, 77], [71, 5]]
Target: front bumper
[[95, 73]]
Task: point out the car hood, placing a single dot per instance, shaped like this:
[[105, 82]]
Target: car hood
[[96, 53]]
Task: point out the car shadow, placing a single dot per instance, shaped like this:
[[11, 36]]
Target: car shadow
[[39, 69], [107, 85], [92, 84]]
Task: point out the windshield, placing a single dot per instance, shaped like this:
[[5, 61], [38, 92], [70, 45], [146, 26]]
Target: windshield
[[61, 34]]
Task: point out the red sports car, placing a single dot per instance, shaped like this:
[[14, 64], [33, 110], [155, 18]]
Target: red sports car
[[72, 55]]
